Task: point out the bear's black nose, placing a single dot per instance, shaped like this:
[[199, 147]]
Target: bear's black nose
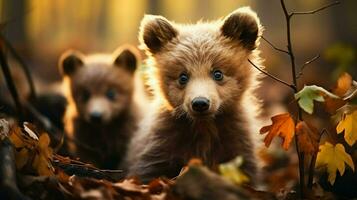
[[96, 117], [200, 104]]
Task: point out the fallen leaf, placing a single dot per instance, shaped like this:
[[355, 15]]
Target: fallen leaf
[[308, 138], [283, 126], [27, 128], [42, 161], [311, 93], [232, 171], [348, 124], [334, 158], [21, 158]]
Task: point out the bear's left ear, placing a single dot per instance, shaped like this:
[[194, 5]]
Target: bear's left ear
[[126, 57], [242, 26]]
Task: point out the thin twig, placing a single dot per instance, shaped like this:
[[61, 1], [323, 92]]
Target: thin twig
[[10, 83], [299, 118], [23, 65], [307, 63], [270, 75], [273, 46], [316, 10]]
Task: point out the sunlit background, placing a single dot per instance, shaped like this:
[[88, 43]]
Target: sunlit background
[[41, 30]]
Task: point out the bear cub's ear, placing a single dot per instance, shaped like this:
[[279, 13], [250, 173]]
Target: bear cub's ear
[[126, 57], [242, 26], [70, 61], [155, 32]]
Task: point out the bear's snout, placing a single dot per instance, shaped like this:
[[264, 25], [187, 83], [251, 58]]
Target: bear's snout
[[200, 104]]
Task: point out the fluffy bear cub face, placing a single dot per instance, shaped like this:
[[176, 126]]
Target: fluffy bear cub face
[[202, 68], [100, 85]]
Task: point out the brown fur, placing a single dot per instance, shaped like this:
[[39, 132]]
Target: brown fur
[[173, 133], [87, 80]]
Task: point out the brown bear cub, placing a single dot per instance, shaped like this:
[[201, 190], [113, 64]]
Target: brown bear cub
[[205, 103], [101, 114]]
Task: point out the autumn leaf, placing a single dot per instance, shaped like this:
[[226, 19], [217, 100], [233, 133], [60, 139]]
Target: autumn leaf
[[283, 126], [311, 93], [42, 161], [22, 158], [334, 158], [348, 124], [308, 138], [232, 171], [342, 86]]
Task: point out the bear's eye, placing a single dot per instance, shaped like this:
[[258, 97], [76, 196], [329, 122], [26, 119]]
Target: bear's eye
[[111, 94], [84, 95], [217, 75], [183, 79]]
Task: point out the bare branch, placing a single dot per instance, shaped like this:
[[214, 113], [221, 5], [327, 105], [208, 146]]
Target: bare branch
[[273, 46], [272, 76], [23, 65], [10, 84], [295, 86], [316, 10], [307, 63], [313, 162]]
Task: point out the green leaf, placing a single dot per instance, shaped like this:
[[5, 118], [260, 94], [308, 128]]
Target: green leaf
[[308, 94]]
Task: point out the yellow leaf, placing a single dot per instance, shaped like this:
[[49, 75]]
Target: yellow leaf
[[349, 125], [334, 158], [232, 171], [283, 126]]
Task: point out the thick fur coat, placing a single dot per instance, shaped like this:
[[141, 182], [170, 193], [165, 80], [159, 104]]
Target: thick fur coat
[[209, 61], [102, 111]]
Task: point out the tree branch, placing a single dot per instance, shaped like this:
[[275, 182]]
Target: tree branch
[[10, 83], [299, 118], [312, 164], [316, 10], [271, 76], [274, 47], [307, 63], [23, 65]]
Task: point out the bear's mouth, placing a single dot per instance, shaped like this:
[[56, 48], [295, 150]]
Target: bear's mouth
[[202, 115]]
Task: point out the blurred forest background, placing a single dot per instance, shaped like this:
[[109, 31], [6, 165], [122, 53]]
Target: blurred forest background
[[41, 30]]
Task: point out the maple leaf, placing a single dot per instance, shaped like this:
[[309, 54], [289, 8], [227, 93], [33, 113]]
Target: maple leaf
[[311, 93], [334, 158], [342, 86], [232, 171], [308, 138], [283, 126], [348, 124]]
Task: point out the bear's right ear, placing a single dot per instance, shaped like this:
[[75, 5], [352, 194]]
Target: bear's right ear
[[70, 61], [155, 32]]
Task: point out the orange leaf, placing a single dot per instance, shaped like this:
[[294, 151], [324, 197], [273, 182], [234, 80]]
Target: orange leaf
[[343, 85], [308, 138], [283, 126], [42, 161]]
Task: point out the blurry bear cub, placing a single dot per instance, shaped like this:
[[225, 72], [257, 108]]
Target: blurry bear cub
[[102, 113]]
